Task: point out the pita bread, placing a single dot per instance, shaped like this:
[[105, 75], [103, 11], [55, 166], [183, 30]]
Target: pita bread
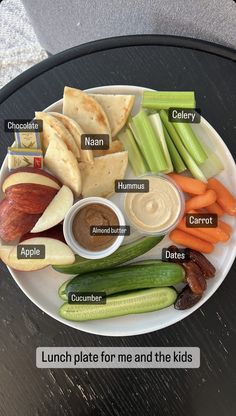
[[86, 111], [50, 126], [116, 146], [99, 179], [117, 108], [76, 131], [62, 163]]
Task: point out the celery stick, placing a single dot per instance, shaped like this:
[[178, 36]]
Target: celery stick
[[213, 165], [139, 142], [158, 129], [150, 146], [135, 135], [159, 100], [188, 160], [136, 160], [178, 163], [191, 142]]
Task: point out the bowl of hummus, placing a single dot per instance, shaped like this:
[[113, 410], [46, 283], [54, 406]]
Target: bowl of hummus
[[158, 210]]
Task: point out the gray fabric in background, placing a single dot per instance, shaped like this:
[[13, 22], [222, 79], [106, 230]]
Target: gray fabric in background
[[60, 24], [19, 47]]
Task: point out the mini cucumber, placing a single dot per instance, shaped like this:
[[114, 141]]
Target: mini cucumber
[[140, 301], [142, 275], [124, 253], [62, 290]]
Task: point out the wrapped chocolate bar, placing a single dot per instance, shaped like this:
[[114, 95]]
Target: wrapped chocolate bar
[[27, 139], [22, 158]]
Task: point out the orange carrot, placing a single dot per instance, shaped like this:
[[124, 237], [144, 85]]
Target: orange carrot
[[196, 232], [224, 198], [217, 232], [225, 227], [215, 209], [187, 240], [200, 201], [189, 185]]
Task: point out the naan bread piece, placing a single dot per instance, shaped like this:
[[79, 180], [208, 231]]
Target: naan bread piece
[[52, 125], [76, 131], [116, 146], [86, 111], [117, 108], [62, 163], [99, 179]]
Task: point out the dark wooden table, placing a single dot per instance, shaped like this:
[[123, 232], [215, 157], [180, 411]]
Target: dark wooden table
[[163, 63]]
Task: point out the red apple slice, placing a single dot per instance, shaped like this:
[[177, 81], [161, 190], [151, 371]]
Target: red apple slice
[[56, 210], [56, 252], [30, 197], [54, 232], [30, 175], [14, 223]]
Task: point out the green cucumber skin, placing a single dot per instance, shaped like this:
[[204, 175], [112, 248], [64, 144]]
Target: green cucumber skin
[[62, 290], [142, 275], [148, 300], [122, 255]]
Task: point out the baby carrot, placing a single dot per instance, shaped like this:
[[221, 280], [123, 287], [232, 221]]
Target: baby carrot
[[217, 232], [201, 201], [189, 185], [215, 208], [196, 232], [187, 240], [224, 198], [225, 227]]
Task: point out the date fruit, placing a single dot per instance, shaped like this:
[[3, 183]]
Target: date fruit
[[186, 299], [194, 277], [207, 269]]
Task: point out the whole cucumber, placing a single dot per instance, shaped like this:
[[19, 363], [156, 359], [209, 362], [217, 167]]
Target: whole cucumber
[[122, 255], [146, 274], [140, 301]]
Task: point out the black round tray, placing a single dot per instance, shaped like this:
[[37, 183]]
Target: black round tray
[[159, 62]]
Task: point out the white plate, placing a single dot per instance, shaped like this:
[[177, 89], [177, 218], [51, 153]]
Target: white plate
[[41, 287]]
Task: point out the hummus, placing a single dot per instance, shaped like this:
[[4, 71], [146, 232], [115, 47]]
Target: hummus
[[94, 215], [157, 210]]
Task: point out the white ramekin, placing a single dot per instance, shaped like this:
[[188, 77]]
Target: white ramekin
[[71, 241]]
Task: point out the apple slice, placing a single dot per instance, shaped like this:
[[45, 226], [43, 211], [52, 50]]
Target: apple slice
[[30, 197], [30, 175], [54, 232], [14, 223], [56, 210], [56, 252], [4, 252]]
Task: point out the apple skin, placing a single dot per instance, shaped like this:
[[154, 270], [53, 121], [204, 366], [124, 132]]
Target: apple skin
[[38, 171], [30, 197], [14, 223], [30, 175], [54, 232], [56, 253]]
